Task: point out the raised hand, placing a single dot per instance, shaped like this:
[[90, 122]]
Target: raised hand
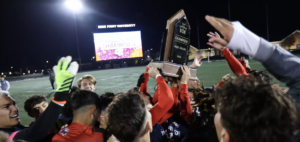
[[197, 61], [65, 73], [186, 75], [224, 27], [215, 45], [226, 78], [153, 72], [149, 64]]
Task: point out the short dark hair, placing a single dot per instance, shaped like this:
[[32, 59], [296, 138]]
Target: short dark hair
[[80, 98], [1, 75], [126, 116], [32, 101], [252, 111], [106, 99], [49, 70]]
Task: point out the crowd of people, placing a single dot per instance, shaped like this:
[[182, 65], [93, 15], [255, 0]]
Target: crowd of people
[[245, 107]]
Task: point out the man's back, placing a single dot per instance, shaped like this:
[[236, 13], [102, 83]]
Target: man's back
[[77, 132]]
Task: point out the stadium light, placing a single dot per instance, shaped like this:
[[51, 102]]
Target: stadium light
[[93, 57], [73, 5], [35, 70], [12, 67], [46, 61], [151, 49], [9, 73], [23, 73], [2, 73]]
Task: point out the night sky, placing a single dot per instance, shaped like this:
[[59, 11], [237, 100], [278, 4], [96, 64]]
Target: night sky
[[33, 31]]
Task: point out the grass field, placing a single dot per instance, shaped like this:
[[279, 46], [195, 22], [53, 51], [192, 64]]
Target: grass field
[[115, 80]]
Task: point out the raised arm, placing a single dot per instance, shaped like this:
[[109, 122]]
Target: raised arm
[[186, 109], [165, 97], [234, 64], [143, 82], [175, 107], [279, 62], [64, 79]]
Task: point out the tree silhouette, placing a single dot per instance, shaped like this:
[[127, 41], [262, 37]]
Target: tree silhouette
[[288, 42]]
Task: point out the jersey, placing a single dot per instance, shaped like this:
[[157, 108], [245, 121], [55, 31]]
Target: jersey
[[77, 132], [205, 131], [158, 133], [177, 127]]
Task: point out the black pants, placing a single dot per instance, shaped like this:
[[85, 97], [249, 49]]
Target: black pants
[[52, 83]]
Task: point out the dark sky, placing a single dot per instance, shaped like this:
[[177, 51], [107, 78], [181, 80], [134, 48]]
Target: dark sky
[[33, 31]]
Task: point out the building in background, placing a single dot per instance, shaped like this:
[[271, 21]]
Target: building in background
[[291, 42]]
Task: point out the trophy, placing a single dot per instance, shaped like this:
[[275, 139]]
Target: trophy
[[175, 47]]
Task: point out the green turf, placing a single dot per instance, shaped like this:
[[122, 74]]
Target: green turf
[[115, 80]]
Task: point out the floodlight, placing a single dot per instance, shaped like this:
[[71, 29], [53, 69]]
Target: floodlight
[[74, 5]]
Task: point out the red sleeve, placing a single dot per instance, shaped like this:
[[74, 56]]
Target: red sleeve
[[165, 101], [145, 84], [155, 97], [220, 84], [234, 64], [174, 108], [175, 96], [243, 63], [186, 109]]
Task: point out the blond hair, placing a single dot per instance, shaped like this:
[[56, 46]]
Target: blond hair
[[87, 76]]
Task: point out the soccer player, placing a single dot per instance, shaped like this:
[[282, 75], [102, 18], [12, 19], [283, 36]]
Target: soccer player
[[35, 106], [250, 110], [51, 78], [87, 82], [9, 115], [106, 99], [4, 83], [132, 117], [85, 107]]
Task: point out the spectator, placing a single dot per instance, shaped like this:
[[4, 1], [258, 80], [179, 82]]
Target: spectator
[[51, 78], [4, 83], [35, 106], [87, 82]]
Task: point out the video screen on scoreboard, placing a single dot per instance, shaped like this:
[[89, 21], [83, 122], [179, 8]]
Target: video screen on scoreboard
[[118, 45]]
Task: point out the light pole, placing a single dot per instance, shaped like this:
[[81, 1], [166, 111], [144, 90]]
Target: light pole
[[75, 5]]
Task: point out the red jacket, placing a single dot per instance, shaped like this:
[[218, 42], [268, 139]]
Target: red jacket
[[163, 98]]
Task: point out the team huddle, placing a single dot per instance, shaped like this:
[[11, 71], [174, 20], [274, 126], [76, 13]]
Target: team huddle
[[245, 107]]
